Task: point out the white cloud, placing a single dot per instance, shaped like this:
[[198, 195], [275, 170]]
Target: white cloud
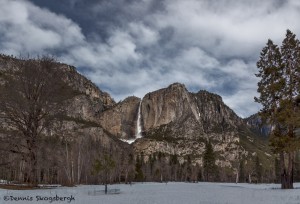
[[228, 28], [122, 47], [205, 44], [143, 35], [242, 102], [26, 28], [195, 57]]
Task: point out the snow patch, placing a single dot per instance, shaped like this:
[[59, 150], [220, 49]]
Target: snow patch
[[167, 193], [250, 139], [269, 155], [130, 141]]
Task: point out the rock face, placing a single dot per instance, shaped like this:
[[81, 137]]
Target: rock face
[[176, 121], [256, 124], [121, 119], [214, 114], [166, 105], [175, 104], [86, 101], [82, 111], [85, 86]]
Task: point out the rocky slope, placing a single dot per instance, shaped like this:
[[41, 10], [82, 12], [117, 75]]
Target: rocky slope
[[83, 108]]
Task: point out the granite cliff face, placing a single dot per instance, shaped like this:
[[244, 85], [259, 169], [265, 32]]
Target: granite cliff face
[[175, 104], [166, 105], [121, 119], [176, 121]]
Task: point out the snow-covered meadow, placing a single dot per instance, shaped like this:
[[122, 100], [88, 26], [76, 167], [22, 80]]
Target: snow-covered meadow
[[159, 193]]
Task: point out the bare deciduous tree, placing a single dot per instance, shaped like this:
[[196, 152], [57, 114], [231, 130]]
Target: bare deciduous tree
[[30, 96]]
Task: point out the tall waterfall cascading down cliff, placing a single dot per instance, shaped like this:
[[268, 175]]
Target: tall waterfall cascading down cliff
[[139, 124], [138, 130]]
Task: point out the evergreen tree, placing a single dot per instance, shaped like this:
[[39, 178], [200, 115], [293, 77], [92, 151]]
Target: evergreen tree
[[209, 159], [188, 168], [242, 171], [139, 175], [289, 109], [105, 165], [289, 113], [258, 169], [290, 51], [279, 96], [291, 100], [174, 166], [271, 84], [297, 167], [277, 170]]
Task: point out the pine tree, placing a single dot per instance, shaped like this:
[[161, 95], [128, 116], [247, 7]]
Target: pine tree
[[277, 170], [297, 167], [139, 175], [271, 84], [289, 109], [242, 171], [258, 169], [209, 159], [290, 51], [279, 95], [105, 165]]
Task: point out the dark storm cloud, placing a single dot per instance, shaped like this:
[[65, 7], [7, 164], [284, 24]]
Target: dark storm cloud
[[98, 17], [131, 47]]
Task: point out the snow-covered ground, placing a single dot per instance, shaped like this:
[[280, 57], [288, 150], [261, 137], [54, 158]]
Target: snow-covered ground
[[161, 193]]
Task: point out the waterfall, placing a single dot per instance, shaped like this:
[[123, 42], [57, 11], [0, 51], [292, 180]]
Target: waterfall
[[138, 123], [197, 107], [138, 132]]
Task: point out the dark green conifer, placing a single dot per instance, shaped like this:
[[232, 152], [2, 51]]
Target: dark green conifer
[[209, 159], [279, 96]]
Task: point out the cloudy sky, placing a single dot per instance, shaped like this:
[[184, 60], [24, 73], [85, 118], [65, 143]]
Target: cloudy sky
[[131, 47]]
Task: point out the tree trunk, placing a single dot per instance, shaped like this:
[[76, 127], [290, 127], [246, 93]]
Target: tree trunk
[[67, 165], [126, 176], [287, 174], [33, 170], [32, 162], [72, 171], [237, 177], [290, 179], [105, 188], [106, 178], [79, 162]]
